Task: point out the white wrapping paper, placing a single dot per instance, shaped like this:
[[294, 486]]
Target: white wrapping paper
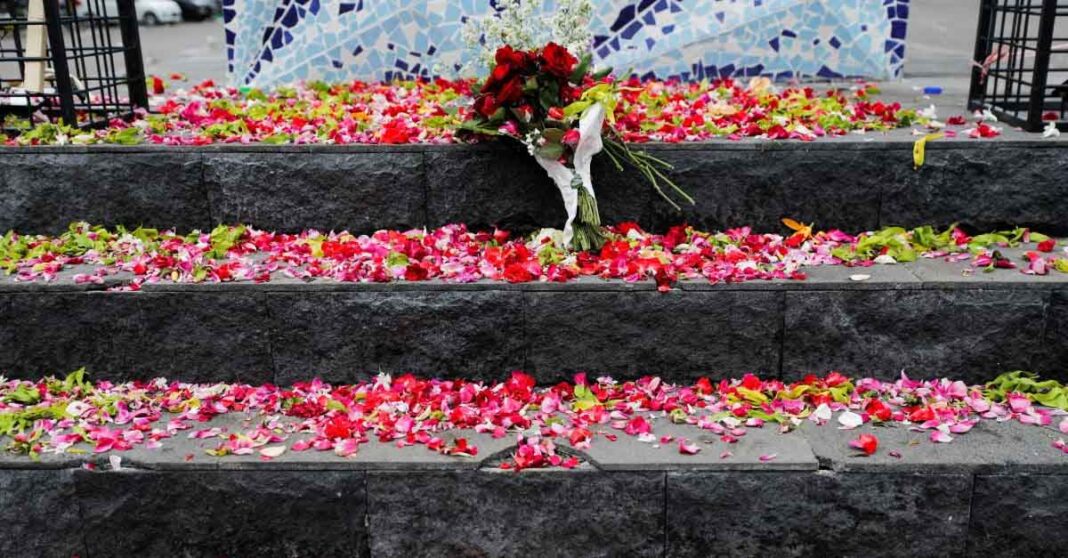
[[589, 144]]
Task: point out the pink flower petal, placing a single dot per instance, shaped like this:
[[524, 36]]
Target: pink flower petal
[[687, 448]]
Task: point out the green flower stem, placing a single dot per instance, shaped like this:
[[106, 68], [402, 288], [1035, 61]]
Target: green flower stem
[[586, 229]]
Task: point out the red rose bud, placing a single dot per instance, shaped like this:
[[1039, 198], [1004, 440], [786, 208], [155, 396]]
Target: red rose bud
[[524, 112], [571, 137], [157, 85], [556, 113], [1047, 245], [486, 105]]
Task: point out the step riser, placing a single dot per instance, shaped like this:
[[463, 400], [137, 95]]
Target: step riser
[[271, 333], [482, 513], [850, 185]]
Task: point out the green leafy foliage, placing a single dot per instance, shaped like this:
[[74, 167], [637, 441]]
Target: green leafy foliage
[[906, 245], [1050, 393]]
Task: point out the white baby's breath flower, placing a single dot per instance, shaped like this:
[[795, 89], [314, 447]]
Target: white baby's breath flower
[[518, 23]]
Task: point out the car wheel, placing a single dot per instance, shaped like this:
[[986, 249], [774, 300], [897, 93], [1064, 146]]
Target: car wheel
[[150, 19]]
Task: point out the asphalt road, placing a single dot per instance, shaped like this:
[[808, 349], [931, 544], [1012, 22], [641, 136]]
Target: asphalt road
[[941, 39]]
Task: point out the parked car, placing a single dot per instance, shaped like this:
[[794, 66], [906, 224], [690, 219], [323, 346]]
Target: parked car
[[149, 12], [155, 12], [197, 10]]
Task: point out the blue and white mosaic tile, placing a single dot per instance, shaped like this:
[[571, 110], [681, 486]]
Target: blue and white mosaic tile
[[271, 42]]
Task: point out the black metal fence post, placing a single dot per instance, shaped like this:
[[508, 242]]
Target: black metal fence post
[[131, 42], [60, 68], [1037, 101]]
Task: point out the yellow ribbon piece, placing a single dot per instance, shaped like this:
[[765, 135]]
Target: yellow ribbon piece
[[919, 149]]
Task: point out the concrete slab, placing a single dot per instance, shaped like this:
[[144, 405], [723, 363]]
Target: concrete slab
[[781, 452], [988, 448], [938, 273], [377, 456]]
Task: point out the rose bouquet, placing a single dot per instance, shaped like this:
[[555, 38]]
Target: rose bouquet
[[549, 100]]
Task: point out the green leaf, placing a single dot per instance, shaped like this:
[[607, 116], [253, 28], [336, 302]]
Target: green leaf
[[553, 135], [601, 74], [581, 68], [1050, 393], [396, 259], [551, 151], [277, 139], [125, 136]]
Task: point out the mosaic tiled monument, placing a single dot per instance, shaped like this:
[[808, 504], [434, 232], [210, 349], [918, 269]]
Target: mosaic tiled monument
[[272, 42]]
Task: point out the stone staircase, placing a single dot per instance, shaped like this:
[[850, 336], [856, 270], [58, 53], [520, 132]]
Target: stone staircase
[[999, 491]]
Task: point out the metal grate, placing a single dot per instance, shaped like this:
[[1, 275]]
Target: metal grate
[[78, 61], [1021, 62]]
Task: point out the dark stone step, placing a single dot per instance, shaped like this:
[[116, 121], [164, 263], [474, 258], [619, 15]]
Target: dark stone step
[[854, 184], [925, 318], [999, 490]]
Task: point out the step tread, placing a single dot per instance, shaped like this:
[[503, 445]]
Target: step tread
[[924, 273], [989, 448]]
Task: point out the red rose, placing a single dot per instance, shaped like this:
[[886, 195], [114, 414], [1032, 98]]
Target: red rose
[[570, 94], [515, 58], [556, 113], [1047, 245], [486, 105], [557, 60], [496, 77], [512, 91]]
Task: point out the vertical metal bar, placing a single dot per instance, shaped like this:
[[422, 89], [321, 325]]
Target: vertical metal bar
[[1037, 103], [105, 62], [59, 62], [977, 90], [131, 43], [20, 53], [1002, 16], [1017, 55]]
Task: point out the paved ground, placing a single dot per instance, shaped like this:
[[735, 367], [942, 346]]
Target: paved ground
[[197, 50], [941, 38]]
